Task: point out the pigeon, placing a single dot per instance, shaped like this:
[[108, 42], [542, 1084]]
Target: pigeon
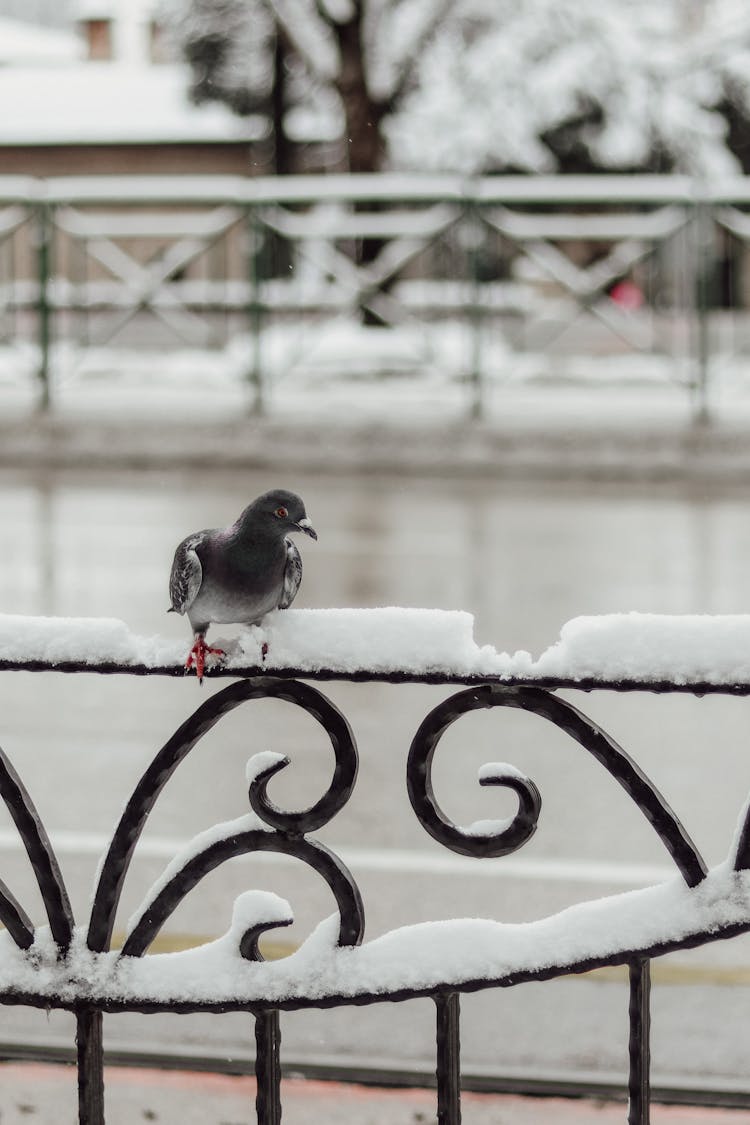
[[239, 573]]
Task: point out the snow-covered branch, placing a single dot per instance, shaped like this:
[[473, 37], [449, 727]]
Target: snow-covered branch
[[309, 35]]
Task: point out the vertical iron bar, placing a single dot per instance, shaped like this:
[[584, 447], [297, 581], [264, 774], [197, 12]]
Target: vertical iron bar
[[268, 1067], [448, 1059], [44, 312], [90, 1067], [639, 1084], [473, 234], [703, 270], [254, 245]]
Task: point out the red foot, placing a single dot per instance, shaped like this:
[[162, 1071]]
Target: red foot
[[197, 656]]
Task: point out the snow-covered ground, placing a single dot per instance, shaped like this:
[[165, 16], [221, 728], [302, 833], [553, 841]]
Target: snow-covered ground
[[340, 370], [353, 398], [538, 436], [335, 364]]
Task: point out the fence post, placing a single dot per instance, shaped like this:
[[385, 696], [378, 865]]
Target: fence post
[[90, 1067], [254, 309], [472, 234], [44, 311], [703, 261], [639, 1083], [268, 1067], [448, 1059]]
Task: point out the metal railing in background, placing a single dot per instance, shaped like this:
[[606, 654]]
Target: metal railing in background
[[536, 275], [69, 967]]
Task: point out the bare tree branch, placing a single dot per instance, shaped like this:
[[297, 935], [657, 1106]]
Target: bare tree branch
[[411, 57], [312, 39]]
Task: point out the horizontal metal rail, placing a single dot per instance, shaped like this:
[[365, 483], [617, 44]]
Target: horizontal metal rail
[[211, 189], [697, 687], [207, 260]]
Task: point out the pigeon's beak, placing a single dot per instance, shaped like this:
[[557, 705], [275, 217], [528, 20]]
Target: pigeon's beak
[[307, 527]]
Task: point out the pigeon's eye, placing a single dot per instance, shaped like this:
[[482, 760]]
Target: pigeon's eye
[[282, 513]]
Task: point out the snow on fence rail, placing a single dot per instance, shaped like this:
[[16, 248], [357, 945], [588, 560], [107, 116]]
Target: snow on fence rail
[[70, 965], [639, 649], [510, 263]]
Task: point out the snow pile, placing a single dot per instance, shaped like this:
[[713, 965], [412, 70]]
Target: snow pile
[[639, 647], [355, 640], [85, 640], [454, 952], [627, 646], [649, 646]]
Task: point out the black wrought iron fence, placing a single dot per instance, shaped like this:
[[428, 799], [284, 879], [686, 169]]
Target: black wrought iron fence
[[648, 266], [68, 964]]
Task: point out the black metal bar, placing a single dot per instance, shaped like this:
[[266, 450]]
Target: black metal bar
[[703, 261], [742, 854], [15, 919], [448, 1057], [43, 306], [255, 309], [639, 1044], [268, 1067], [259, 672], [39, 850], [474, 235], [90, 1067]]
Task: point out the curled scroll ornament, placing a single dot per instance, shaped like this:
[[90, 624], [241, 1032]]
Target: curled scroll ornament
[[569, 719], [281, 831]]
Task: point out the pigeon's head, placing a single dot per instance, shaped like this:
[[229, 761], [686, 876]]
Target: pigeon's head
[[280, 511]]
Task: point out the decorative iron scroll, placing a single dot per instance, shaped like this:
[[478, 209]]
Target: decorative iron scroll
[[565, 716], [285, 829], [271, 828], [286, 832], [346, 893]]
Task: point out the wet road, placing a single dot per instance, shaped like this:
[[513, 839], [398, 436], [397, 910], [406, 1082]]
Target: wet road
[[522, 559]]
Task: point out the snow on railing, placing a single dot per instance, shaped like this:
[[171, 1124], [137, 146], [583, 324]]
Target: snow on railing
[[694, 651], [382, 187], [64, 964]]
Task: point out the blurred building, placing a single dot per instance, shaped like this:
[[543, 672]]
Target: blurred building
[[108, 96]]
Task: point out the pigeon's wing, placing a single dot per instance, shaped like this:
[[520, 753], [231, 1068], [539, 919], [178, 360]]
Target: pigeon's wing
[[187, 573], [292, 575]]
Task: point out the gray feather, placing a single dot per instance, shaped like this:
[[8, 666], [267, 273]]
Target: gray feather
[[187, 573], [292, 575]]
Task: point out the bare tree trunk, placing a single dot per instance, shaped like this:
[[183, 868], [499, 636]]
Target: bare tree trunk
[[363, 113], [282, 150], [363, 116]]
